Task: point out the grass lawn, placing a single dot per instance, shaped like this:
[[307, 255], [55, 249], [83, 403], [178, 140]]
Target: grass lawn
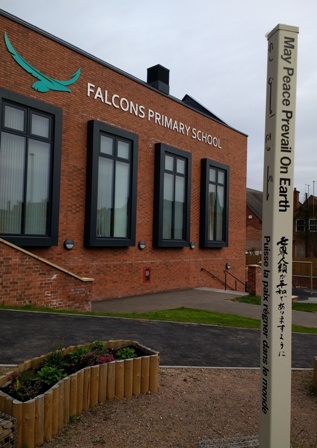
[[298, 306], [189, 315]]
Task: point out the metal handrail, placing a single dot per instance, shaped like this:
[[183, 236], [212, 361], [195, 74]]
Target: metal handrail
[[214, 276], [245, 284]]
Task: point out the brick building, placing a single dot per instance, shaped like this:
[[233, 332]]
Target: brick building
[[305, 227], [254, 221], [109, 181]]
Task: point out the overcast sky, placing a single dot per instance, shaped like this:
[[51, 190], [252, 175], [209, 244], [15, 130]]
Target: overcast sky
[[216, 52]]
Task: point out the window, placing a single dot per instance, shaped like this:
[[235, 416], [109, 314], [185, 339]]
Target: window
[[111, 186], [312, 225], [171, 197], [30, 155], [300, 225], [214, 204]]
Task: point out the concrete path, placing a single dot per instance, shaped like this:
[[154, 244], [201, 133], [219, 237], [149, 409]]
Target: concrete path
[[201, 298]]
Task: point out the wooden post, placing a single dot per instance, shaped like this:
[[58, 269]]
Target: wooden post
[[2, 402], [28, 424], [48, 417], [39, 420], [86, 391], [128, 378], [35, 362], [69, 349], [61, 404], [119, 381], [21, 367], [136, 376], [94, 388], [55, 414], [103, 373], [27, 364], [3, 379], [154, 373], [66, 399], [80, 392], [111, 384], [145, 370], [73, 395], [8, 405], [17, 412]]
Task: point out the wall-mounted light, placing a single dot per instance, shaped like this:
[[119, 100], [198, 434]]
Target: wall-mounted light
[[228, 266], [141, 245], [68, 244], [250, 216], [192, 245]]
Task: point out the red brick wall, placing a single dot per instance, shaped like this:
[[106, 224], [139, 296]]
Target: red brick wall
[[254, 231], [119, 272], [255, 280], [25, 280]]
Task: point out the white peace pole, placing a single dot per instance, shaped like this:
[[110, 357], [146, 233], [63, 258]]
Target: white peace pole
[[277, 226]]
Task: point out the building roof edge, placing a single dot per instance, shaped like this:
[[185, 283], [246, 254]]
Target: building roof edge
[[109, 66]]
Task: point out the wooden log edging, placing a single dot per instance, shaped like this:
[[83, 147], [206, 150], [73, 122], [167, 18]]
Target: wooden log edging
[[41, 418]]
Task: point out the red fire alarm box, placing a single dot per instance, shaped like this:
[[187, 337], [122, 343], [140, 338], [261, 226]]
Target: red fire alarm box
[[146, 275]]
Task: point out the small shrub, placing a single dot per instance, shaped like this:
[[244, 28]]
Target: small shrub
[[78, 353], [97, 346], [95, 357], [51, 375], [125, 353], [25, 385], [55, 359], [72, 419]]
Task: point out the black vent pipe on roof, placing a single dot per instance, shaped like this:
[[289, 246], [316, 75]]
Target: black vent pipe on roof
[[158, 77]]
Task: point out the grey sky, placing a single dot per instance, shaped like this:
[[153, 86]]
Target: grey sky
[[216, 52]]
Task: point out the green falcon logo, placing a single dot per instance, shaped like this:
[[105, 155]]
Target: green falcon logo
[[45, 84]]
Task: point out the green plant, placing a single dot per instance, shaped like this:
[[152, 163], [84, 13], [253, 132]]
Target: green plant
[[125, 353], [51, 375], [95, 357], [72, 419], [76, 355], [25, 385], [55, 359], [30, 383], [97, 346]]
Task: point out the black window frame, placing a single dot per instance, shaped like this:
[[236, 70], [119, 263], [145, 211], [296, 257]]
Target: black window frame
[[312, 226], [206, 164], [95, 130], [300, 225], [161, 150], [55, 114]]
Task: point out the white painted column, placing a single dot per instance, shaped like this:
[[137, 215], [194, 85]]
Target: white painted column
[[277, 236]]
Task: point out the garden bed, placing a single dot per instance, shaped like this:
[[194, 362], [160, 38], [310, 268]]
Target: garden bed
[[41, 418]]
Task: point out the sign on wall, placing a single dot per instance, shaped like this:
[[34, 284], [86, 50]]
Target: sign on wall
[[44, 83]]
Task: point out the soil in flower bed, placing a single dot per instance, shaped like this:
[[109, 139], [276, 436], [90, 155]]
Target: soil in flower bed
[[30, 383]]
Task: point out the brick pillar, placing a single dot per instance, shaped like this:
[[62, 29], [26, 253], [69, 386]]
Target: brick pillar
[[254, 279]]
